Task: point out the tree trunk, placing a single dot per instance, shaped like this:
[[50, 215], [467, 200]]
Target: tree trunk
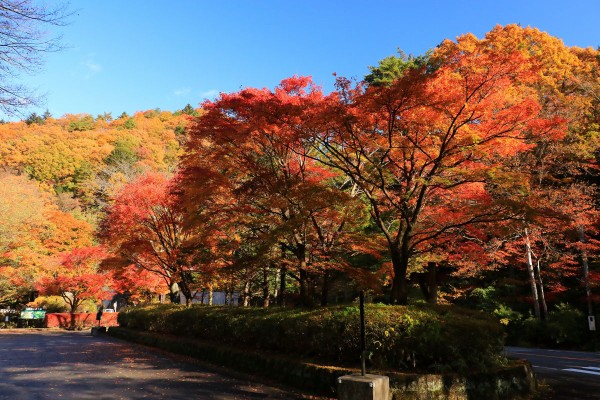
[[281, 298], [231, 289], [544, 313], [304, 285], [276, 285], [586, 272], [265, 286], [174, 293], [74, 306], [186, 291], [399, 294], [246, 294], [532, 280], [325, 289], [432, 297], [305, 289], [231, 297], [210, 295]]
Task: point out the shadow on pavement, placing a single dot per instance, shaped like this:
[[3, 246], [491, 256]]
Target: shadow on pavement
[[75, 365]]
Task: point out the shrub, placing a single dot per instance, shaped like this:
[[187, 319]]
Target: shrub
[[12, 322], [413, 338], [88, 306], [565, 326], [485, 299], [52, 304]]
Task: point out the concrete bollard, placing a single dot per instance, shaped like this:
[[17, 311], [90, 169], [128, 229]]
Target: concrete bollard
[[367, 387]]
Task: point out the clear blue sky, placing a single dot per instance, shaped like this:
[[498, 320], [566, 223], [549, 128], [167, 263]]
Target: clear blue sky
[[133, 55]]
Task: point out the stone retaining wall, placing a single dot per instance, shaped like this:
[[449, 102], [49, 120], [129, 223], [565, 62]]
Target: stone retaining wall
[[512, 382]]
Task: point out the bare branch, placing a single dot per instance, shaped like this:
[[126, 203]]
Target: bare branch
[[23, 44]]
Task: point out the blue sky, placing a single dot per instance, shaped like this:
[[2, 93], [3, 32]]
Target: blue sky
[[134, 55]]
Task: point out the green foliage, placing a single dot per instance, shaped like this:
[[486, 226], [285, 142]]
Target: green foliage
[[52, 304], [106, 117], [565, 326], [287, 370], [124, 152], [490, 300], [484, 299], [189, 110], [13, 321], [85, 123], [87, 306], [506, 315], [130, 123], [394, 67], [513, 381], [401, 338], [180, 131], [33, 118], [72, 183]]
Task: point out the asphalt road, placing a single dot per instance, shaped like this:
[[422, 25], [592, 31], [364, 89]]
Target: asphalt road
[[36, 364], [568, 375]]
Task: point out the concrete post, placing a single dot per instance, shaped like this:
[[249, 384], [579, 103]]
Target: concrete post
[[367, 387]]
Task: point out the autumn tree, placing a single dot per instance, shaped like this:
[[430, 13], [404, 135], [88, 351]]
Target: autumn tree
[[21, 209], [74, 174], [551, 187], [21, 216], [433, 139], [77, 277], [138, 285], [286, 203], [557, 203], [33, 230], [144, 227]]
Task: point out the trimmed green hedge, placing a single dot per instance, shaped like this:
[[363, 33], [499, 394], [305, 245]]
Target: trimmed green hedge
[[512, 381], [287, 370], [400, 338]]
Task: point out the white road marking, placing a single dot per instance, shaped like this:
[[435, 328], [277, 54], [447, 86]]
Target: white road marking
[[581, 371], [594, 368], [554, 369]]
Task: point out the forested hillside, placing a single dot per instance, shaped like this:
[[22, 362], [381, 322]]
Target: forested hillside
[[58, 176]]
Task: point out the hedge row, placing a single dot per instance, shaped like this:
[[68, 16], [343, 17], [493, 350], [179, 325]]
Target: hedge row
[[289, 371], [508, 382], [423, 339]]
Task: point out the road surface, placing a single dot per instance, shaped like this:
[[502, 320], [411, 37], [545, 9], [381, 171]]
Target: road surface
[[570, 375], [42, 364]]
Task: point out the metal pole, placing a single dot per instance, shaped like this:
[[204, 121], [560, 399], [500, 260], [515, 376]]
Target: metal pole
[[363, 340]]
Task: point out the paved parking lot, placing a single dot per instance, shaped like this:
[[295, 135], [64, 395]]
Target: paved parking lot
[[43, 364]]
